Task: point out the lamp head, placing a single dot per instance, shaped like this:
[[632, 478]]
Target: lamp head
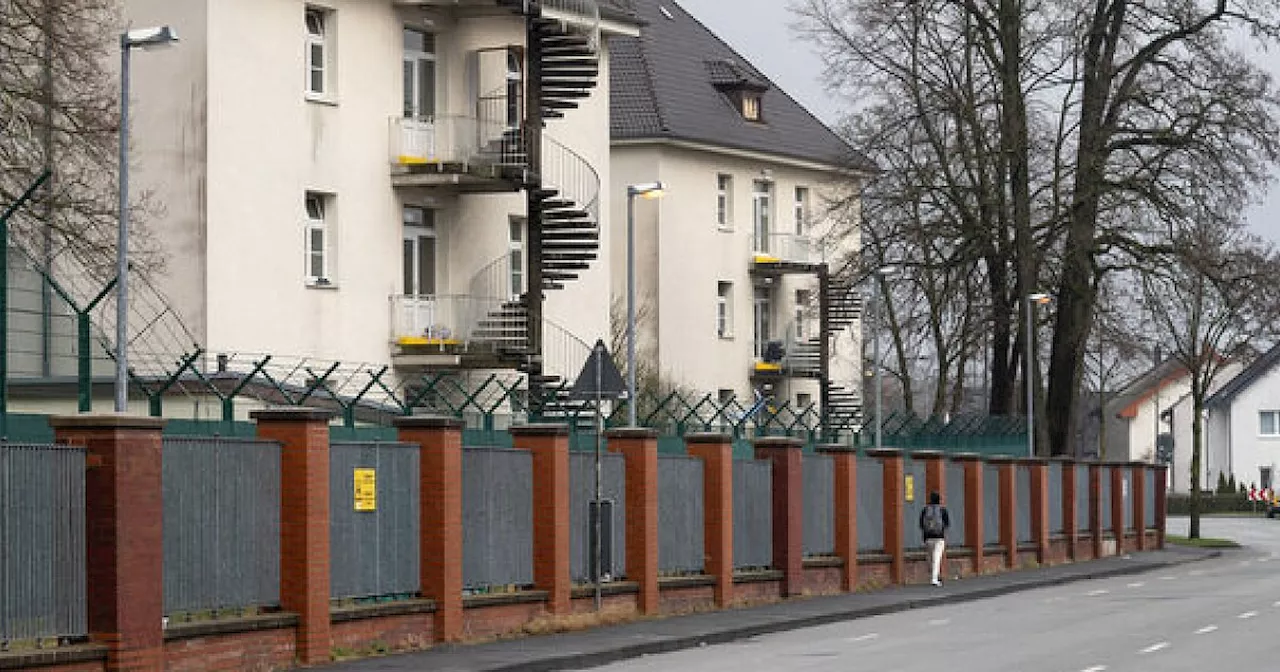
[[1039, 298], [887, 270], [147, 38], [649, 190]]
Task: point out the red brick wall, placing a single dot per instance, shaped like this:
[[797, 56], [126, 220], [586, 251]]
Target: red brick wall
[[483, 622], [687, 599], [259, 651], [823, 580], [625, 603], [759, 592], [874, 575], [394, 633], [93, 666], [1059, 551], [1028, 559], [994, 564]]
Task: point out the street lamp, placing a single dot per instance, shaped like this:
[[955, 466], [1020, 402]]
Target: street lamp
[[1032, 301], [649, 190], [141, 38], [881, 273]]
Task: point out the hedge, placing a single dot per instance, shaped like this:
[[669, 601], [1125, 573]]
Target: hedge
[[1180, 505]]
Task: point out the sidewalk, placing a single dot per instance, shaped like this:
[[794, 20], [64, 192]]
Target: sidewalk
[[591, 648]]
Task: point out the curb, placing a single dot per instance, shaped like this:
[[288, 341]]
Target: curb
[[597, 659]]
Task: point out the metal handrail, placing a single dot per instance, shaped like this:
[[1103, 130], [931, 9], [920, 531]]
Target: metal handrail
[[469, 140], [572, 175], [563, 353], [578, 13]]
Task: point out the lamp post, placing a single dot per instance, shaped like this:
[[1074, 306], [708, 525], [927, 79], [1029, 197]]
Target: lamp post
[[650, 190], [141, 38], [881, 273], [1032, 301]]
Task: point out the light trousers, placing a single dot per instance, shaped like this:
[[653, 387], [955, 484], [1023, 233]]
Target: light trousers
[[937, 548]]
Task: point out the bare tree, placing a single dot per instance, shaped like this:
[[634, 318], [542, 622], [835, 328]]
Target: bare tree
[[1214, 301]]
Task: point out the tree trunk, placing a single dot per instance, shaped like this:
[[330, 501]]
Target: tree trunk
[[1197, 431]]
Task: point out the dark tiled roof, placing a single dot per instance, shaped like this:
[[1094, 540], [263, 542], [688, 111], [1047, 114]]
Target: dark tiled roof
[[618, 9], [1145, 385], [1245, 378], [669, 84]]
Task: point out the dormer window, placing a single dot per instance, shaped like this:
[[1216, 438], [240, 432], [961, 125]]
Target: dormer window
[[750, 106], [742, 86]]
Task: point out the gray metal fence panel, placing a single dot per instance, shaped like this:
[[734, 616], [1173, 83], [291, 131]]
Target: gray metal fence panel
[[870, 505], [1104, 500], [1083, 524], [582, 490], [42, 547], [1057, 523], [497, 518], [221, 524], [752, 514], [955, 501], [819, 493], [374, 553], [1127, 497], [1023, 480], [990, 505], [1149, 510], [680, 522], [912, 537]]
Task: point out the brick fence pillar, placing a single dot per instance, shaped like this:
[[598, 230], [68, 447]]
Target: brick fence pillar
[[892, 510], [1117, 504], [974, 529], [1007, 475], [1038, 470], [716, 453], [550, 447], [1162, 503], [785, 455], [124, 536], [303, 434], [1138, 498], [935, 474], [1095, 507], [845, 464], [1070, 521], [639, 450], [440, 516]]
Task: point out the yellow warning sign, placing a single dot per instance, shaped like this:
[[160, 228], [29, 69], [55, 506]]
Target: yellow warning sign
[[910, 488], [366, 482]]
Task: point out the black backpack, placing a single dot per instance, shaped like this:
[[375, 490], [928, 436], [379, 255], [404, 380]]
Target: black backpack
[[933, 524]]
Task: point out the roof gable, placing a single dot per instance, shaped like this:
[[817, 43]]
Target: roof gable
[[1246, 378], [677, 82]]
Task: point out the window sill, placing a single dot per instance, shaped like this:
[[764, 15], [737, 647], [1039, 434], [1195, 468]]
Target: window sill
[[724, 228], [725, 337], [327, 285], [321, 99]]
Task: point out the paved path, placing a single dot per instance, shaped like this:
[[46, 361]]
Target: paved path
[[1004, 621]]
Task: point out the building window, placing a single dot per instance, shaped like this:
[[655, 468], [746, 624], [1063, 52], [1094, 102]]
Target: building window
[[419, 251], [750, 106], [762, 213], [419, 75], [516, 247], [802, 210], [1269, 423], [802, 304], [319, 25], [762, 320], [318, 239], [803, 401], [724, 309], [724, 396], [724, 201]]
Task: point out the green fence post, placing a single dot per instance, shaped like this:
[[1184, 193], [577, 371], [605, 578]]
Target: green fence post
[[4, 297]]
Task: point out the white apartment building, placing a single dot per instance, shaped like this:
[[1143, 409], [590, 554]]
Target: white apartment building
[[741, 274], [371, 181]]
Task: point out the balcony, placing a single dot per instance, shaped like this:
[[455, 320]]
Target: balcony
[[795, 356], [438, 323], [781, 252], [468, 153]]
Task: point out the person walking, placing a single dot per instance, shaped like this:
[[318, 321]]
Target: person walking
[[934, 522]]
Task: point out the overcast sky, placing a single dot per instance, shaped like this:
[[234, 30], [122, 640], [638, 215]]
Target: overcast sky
[[761, 31]]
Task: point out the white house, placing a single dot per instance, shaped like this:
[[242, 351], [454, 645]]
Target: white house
[[739, 270], [371, 181], [1134, 416], [1243, 425]]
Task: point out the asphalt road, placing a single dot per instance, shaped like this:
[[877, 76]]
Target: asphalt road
[[1213, 615]]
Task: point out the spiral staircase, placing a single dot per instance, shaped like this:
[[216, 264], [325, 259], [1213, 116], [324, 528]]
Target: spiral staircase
[[563, 193]]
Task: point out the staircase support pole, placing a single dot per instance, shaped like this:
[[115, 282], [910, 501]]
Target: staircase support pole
[[533, 150], [824, 348]]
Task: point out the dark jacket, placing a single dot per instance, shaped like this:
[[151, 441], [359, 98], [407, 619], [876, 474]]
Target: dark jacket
[[946, 522]]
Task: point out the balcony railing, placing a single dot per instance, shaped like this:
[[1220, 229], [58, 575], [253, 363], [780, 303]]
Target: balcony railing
[[467, 141], [785, 248], [445, 322]]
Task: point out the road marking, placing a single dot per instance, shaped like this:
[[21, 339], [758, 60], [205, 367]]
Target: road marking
[[1056, 599], [1264, 559], [1276, 603], [863, 638], [1138, 584], [1095, 668], [1196, 572], [940, 621], [1156, 647], [1207, 629], [1100, 591], [1168, 578], [1247, 614]]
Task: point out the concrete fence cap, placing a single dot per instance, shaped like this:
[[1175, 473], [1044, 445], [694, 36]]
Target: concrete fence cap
[[427, 422], [708, 437], [292, 414], [105, 421]]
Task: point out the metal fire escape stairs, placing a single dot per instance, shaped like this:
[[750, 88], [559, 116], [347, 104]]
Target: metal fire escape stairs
[[563, 45]]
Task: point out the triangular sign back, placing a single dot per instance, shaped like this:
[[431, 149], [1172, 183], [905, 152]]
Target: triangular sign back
[[599, 367]]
